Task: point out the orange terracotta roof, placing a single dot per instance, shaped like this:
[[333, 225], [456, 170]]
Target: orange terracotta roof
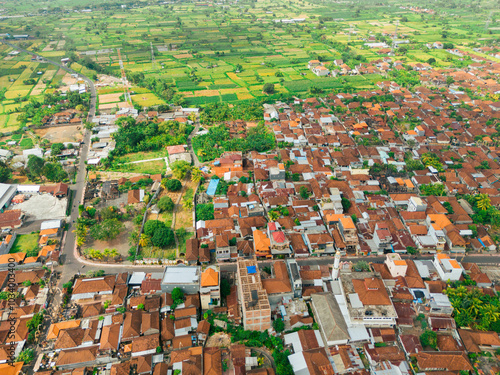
[[210, 277]]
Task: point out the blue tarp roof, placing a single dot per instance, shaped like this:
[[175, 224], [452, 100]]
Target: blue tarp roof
[[212, 186], [251, 269]]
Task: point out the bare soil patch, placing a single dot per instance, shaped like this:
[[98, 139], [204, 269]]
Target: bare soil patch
[[61, 134], [219, 340]]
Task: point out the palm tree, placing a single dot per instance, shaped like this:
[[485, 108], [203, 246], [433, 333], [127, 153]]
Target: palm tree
[[483, 201], [196, 175], [273, 215], [144, 240], [187, 204]]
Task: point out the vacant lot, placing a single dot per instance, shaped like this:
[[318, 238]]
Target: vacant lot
[[26, 243], [61, 134], [120, 243]]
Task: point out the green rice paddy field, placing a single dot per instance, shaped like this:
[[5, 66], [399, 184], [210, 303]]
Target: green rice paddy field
[[225, 52]]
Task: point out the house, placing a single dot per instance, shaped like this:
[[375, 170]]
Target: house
[[304, 340], [178, 152], [313, 64], [479, 341], [447, 268], [135, 196], [222, 250], [443, 361], [11, 219], [261, 244], [397, 267], [109, 190], [59, 190], [368, 301], [202, 331], [314, 361], [92, 288], [210, 288], [320, 71], [348, 231]]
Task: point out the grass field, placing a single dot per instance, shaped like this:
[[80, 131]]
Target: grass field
[[148, 167], [27, 243]]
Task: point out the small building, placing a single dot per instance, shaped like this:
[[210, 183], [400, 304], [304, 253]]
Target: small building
[[447, 268], [135, 196], [187, 278], [320, 71], [210, 288], [7, 192]]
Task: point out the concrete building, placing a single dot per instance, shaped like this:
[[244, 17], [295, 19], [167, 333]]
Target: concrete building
[[416, 204], [7, 192], [295, 279], [367, 300], [332, 325], [448, 269], [348, 231], [397, 266], [210, 288], [255, 307], [277, 173], [186, 278]]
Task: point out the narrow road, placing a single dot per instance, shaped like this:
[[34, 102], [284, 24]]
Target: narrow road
[[71, 263], [196, 129]]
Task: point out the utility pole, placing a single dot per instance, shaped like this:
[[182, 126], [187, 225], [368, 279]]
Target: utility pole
[[350, 32]]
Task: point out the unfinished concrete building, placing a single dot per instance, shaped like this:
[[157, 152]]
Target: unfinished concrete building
[[256, 311]]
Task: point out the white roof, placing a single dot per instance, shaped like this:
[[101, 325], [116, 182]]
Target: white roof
[[33, 151], [422, 269], [181, 275], [137, 278], [50, 224], [355, 301], [298, 363]]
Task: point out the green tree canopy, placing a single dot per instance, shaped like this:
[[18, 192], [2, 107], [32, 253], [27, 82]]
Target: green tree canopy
[[429, 338], [56, 148], [173, 184], [107, 230], [165, 204], [268, 88], [177, 296], [5, 172], [205, 211], [35, 166], [278, 325], [180, 168]]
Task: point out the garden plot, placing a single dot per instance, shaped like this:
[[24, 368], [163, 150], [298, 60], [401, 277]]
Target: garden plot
[[110, 98]]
